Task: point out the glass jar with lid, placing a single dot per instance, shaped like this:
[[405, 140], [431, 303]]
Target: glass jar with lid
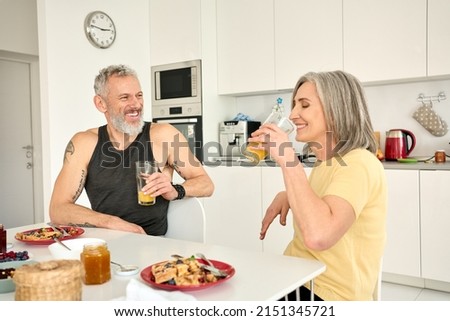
[[95, 260], [3, 242]]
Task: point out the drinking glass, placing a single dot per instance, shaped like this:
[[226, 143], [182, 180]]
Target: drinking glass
[[253, 151], [145, 167]]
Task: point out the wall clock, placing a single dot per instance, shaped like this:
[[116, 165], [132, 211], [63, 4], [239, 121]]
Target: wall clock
[[100, 29]]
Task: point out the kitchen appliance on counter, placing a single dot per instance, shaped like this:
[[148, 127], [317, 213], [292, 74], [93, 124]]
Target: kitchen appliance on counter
[[233, 135], [399, 144]]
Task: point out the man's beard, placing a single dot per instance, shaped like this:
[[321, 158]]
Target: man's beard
[[131, 129]]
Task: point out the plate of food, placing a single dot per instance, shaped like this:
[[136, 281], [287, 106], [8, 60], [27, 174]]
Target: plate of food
[[7, 270], [45, 235], [185, 274]]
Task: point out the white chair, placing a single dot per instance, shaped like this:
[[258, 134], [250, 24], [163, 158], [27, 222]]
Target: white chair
[[186, 220], [377, 290]]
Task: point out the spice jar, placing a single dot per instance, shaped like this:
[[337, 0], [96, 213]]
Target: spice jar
[[439, 156], [95, 260]]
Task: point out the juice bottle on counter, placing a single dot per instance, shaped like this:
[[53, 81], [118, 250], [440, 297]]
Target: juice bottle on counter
[[96, 263]]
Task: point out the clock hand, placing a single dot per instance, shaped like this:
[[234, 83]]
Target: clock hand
[[102, 29]]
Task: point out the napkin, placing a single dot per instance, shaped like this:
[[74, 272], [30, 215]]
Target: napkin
[[138, 291]]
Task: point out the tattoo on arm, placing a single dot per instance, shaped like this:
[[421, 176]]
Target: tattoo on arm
[[70, 149], [85, 224], [80, 186], [177, 169]]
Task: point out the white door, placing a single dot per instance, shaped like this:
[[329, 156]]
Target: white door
[[16, 157]]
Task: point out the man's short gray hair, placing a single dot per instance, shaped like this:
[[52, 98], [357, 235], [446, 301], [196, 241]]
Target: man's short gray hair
[[104, 74]]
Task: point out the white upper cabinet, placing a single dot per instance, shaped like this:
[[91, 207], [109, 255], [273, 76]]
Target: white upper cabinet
[[265, 45], [308, 37], [385, 39], [245, 46], [438, 37], [175, 31]]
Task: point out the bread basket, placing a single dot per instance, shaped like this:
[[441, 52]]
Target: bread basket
[[57, 280]]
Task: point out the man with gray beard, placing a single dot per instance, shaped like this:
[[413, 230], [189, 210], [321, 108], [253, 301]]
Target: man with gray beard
[[101, 160]]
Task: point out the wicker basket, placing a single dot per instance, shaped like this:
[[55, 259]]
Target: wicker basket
[[57, 280]]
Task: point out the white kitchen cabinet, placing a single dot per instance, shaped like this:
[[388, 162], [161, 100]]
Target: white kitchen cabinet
[[435, 224], [385, 39], [175, 31], [233, 212], [307, 38], [268, 48], [278, 236], [402, 253], [438, 37], [245, 40]]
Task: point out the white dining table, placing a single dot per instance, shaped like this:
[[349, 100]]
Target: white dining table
[[259, 276]]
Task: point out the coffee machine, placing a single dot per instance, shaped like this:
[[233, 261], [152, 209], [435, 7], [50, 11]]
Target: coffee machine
[[233, 134]]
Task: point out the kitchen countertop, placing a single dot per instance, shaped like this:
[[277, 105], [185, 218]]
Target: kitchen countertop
[[387, 164], [417, 166]]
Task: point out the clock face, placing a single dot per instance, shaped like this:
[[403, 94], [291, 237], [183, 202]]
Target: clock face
[[100, 29]]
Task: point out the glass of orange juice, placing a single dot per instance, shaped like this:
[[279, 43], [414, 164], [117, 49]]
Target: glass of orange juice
[[145, 167], [255, 151]]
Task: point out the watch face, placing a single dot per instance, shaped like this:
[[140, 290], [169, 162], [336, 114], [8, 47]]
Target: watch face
[[100, 29]]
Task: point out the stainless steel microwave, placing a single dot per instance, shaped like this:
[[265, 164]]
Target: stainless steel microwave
[[177, 87]]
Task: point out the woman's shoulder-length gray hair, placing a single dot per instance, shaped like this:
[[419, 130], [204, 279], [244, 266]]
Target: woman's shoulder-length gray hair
[[345, 108], [104, 74]]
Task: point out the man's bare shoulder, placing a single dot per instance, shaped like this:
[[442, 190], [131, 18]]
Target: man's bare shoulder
[[86, 137], [162, 131], [82, 145]]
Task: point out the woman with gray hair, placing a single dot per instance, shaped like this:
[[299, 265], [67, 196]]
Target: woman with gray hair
[[339, 212]]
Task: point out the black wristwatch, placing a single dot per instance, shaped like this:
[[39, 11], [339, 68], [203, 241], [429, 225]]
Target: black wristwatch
[[181, 191]]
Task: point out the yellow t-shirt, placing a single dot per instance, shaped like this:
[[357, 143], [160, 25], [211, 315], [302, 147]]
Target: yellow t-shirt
[[352, 264]]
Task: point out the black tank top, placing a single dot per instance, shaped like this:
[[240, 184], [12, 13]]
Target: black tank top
[[111, 182]]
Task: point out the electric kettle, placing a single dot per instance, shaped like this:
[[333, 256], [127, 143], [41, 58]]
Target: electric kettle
[[399, 144]]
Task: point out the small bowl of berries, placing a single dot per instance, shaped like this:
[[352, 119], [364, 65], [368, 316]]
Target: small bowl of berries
[[9, 262]]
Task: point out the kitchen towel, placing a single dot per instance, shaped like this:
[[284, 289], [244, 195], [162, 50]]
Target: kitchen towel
[[430, 120]]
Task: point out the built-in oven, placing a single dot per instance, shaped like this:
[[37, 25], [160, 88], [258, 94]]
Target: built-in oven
[[190, 125]]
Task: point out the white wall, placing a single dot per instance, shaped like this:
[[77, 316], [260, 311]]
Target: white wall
[[391, 106], [18, 21], [69, 63]]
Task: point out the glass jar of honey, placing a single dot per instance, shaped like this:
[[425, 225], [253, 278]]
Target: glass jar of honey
[[439, 156], [95, 260]]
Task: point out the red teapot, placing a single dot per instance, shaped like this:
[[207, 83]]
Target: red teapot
[[399, 144]]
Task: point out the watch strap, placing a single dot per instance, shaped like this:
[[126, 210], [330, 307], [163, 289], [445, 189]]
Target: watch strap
[[181, 191]]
